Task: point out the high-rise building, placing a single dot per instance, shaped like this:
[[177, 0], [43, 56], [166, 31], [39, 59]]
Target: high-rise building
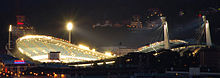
[[136, 22], [21, 28]]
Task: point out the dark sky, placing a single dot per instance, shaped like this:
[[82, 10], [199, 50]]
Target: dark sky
[[52, 15]]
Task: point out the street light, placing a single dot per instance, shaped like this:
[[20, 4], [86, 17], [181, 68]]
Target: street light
[[9, 37], [69, 28]]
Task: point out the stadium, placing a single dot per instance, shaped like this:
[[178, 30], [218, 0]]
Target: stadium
[[160, 45], [37, 48]]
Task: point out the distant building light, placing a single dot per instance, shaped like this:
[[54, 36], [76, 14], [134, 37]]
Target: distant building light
[[20, 23], [200, 15]]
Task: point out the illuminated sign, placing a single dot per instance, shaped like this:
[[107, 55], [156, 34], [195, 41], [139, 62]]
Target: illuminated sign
[[20, 23], [6, 70], [20, 20], [19, 62]]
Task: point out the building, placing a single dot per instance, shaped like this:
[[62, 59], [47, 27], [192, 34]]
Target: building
[[125, 51], [20, 29], [107, 23], [209, 57], [10, 64], [118, 50]]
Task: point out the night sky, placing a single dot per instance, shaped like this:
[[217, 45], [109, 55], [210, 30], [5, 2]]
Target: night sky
[[50, 16]]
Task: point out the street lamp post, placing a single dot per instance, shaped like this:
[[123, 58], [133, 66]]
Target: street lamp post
[[69, 28], [9, 37]]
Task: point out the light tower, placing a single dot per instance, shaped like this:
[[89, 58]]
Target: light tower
[[207, 32], [69, 28], [166, 35], [9, 37]]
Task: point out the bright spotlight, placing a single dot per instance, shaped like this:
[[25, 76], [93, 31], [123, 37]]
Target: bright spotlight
[[108, 53], [69, 26], [83, 47], [10, 28], [93, 50]]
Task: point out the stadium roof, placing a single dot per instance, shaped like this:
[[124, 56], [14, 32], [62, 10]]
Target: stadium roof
[[160, 45], [37, 48]]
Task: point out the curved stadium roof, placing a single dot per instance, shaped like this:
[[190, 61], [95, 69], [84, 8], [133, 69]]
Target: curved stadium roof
[[37, 48], [160, 45]]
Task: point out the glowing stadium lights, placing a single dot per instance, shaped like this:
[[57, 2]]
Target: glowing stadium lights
[[38, 46], [9, 36], [69, 28], [100, 63], [81, 65], [83, 47], [110, 62], [34, 36], [155, 54], [10, 28], [158, 45], [43, 58], [93, 50], [108, 53], [22, 51]]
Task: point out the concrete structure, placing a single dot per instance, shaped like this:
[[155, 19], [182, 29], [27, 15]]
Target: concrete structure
[[118, 50], [124, 51], [166, 33], [207, 32]]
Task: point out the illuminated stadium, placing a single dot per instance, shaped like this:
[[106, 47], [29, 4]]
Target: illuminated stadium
[[175, 46], [37, 48], [160, 45]]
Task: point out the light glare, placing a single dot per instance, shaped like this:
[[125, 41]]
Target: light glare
[[108, 53], [69, 26], [10, 28], [83, 47]]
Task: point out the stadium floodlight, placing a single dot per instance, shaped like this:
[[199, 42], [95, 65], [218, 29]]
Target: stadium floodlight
[[93, 50], [83, 47], [9, 37], [69, 28], [108, 53], [10, 28]]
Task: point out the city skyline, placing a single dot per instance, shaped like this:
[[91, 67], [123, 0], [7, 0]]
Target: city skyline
[[87, 13], [110, 38]]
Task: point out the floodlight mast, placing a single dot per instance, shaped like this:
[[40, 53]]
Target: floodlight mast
[[69, 28], [9, 37]]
